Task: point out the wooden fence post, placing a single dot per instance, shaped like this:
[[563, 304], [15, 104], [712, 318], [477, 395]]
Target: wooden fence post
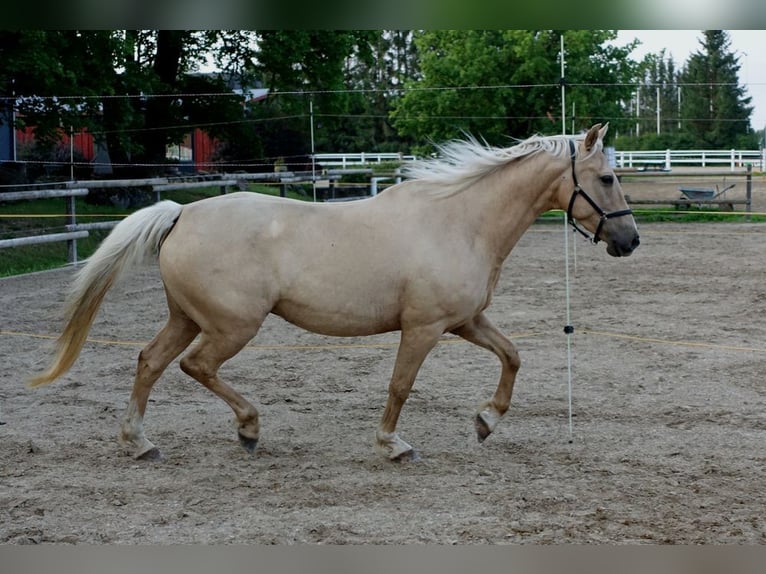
[[749, 190], [71, 219]]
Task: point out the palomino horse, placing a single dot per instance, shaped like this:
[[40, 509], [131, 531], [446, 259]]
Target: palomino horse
[[422, 258]]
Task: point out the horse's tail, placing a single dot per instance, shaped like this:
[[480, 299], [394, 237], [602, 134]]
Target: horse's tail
[[134, 240]]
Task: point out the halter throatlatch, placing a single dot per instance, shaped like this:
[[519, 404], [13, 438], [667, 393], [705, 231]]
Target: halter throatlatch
[[580, 191]]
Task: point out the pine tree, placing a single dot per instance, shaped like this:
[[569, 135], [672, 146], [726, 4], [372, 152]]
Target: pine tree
[[658, 97], [714, 108]]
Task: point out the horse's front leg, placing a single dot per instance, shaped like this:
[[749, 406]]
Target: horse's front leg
[[414, 346], [483, 333]]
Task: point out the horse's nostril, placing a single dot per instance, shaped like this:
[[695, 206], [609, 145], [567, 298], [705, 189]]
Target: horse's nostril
[[636, 242]]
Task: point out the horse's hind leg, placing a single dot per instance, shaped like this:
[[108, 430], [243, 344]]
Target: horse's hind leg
[[202, 363], [152, 361], [483, 333]]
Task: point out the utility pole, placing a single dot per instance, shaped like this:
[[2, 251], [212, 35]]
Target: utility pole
[[563, 90], [13, 116], [71, 153], [572, 130], [658, 110], [313, 162]]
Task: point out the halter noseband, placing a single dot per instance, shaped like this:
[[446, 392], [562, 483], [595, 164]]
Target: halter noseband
[[580, 191]]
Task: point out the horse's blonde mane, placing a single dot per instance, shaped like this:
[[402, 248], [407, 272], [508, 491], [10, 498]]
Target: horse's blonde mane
[[463, 162]]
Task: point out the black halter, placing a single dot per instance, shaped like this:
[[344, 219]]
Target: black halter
[[580, 191]]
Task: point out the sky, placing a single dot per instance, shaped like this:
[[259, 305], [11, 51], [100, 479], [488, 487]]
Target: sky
[[750, 45]]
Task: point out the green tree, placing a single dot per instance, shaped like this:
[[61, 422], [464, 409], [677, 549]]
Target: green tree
[[450, 96], [654, 108], [122, 86], [376, 83], [501, 83], [714, 108], [305, 70], [54, 78], [158, 73]]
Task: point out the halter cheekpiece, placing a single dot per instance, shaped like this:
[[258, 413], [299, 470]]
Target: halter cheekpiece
[[580, 191]]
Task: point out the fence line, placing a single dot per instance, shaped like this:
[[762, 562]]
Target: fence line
[[73, 189], [42, 194], [90, 226], [37, 239], [667, 159], [658, 159], [651, 159], [104, 183], [329, 182], [345, 159]]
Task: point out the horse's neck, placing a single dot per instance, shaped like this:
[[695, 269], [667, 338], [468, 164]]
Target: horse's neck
[[508, 201]]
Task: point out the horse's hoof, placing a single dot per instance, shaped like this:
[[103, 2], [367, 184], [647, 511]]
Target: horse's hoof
[[407, 456], [152, 455], [248, 443], [482, 428]]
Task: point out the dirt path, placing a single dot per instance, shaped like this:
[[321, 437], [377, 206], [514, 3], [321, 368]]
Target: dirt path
[[668, 396]]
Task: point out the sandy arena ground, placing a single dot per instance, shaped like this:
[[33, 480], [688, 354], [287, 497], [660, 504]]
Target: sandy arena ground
[[669, 423]]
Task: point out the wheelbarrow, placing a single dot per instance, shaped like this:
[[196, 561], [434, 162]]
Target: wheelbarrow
[[703, 193]]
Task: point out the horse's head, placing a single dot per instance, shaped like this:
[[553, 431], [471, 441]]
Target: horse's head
[[593, 197]]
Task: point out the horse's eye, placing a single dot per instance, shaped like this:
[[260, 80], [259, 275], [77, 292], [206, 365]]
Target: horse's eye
[[607, 179]]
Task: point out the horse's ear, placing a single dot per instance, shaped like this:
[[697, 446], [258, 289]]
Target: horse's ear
[[593, 135], [602, 131]]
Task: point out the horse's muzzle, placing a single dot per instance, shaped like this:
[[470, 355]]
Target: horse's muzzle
[[623, 247]]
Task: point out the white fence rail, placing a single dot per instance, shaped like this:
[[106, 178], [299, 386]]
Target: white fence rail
[[344, 160], [37, 239], [654, 159], [668, 159]]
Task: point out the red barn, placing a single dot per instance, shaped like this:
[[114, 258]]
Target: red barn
[[195, 153]]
